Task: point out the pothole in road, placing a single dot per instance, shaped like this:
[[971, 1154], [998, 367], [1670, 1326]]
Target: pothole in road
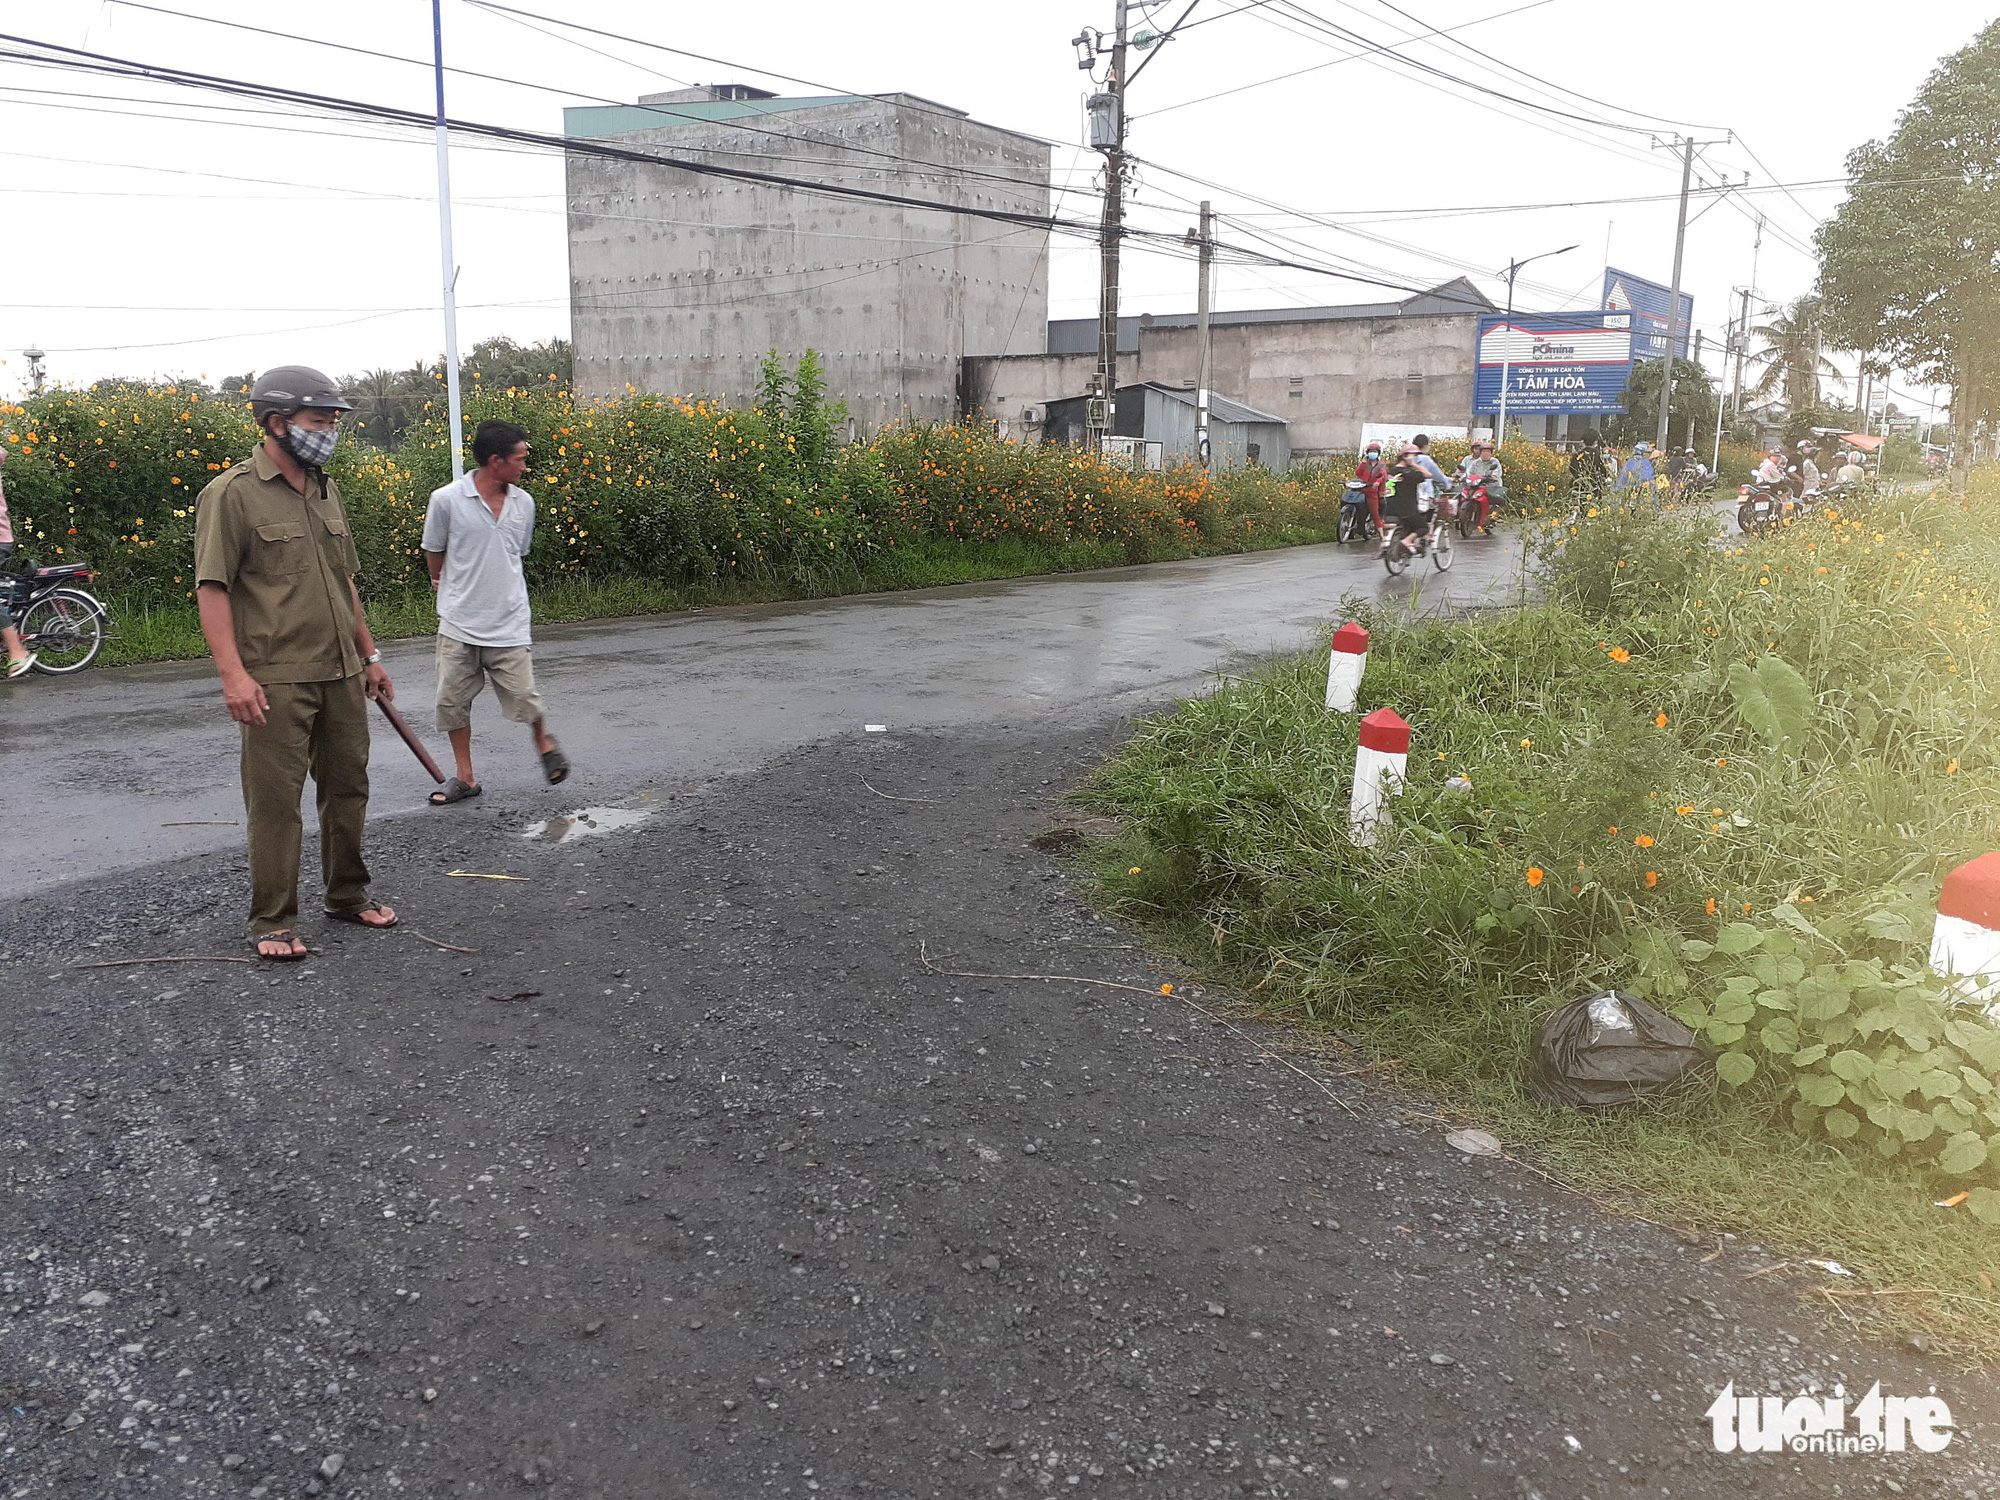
[[586, 822]]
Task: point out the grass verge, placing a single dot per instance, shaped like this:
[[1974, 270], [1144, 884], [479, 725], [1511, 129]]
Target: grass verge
[[144, 630], [1728, 779]]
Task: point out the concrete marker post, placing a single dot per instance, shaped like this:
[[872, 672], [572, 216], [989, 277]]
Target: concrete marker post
[[1379, 765], [1965, 947], [1344, 668]]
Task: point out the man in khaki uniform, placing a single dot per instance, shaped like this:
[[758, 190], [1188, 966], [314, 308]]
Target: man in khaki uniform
[[274, 572]]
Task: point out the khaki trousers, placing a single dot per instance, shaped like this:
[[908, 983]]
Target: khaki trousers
[[319, 728]]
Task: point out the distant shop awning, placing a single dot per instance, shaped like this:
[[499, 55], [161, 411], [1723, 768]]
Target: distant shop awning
[[1862, 440]]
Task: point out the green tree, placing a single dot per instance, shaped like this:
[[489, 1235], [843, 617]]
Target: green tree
[[1690, 410], [1907, 264], [1791, 363], [499, 363]]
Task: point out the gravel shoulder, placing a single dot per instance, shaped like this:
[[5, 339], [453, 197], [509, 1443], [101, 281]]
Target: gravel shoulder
[[693, 1181]]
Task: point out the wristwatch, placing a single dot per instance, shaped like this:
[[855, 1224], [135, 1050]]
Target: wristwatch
[[373, 657]]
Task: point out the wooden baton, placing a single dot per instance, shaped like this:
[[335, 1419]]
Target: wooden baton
[[409, 738]]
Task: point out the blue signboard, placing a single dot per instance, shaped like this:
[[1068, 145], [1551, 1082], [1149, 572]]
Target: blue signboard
[[1645, 304], [1554, 362]]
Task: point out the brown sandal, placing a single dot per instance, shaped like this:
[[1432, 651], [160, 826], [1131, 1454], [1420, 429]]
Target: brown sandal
[[282, 936], [354, 916]]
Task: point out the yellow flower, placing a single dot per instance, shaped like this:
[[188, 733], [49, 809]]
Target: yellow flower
[[1133, 871], [1952, 769], [1166, 989], [1527, 744]]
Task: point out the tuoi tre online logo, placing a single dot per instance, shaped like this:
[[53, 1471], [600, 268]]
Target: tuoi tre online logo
[[1819, 1424]]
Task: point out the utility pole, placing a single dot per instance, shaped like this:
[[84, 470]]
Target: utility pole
[[1204, 238], [1507, 340], [1107, 134], [457, 442], [1687, 145]]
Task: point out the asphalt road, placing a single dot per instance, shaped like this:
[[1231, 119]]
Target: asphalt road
[[727, 1153], [127, 766]]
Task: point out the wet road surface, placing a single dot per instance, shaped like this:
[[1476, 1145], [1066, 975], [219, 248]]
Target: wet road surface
[[126, 766]]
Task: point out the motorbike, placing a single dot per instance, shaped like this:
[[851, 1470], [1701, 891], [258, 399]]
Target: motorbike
[[60, 620], [1465, 500], [1356, 524], [1756, 507]]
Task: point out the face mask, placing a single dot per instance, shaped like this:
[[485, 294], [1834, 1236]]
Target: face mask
[[309, 447]]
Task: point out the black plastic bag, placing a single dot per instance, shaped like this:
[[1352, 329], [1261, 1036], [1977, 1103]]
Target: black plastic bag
[[1609, 1049]]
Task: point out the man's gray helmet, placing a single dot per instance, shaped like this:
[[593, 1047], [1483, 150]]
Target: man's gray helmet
[[289, 388]]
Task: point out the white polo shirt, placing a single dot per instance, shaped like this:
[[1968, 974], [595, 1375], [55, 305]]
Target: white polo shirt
[[482, 597]]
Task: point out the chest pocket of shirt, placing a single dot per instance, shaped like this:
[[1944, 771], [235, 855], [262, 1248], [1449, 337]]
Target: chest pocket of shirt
[[282, 548]]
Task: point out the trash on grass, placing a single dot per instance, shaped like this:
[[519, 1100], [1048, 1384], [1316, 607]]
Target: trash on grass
[[876, 728], [1474, 1142], [1951, 1202], [1831, 1267], [1608, 1049]]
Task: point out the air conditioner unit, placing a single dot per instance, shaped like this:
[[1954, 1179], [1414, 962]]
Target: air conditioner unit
[[1031, 415]]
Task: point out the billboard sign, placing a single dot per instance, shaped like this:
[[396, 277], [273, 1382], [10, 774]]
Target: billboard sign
[[1554, 362], [1643, 305]]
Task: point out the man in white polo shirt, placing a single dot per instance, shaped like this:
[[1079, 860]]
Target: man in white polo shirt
[[475, 534]]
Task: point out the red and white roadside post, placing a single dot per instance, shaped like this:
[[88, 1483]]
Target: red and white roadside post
[[1965, 948], [1344, 668], [1379, 765]]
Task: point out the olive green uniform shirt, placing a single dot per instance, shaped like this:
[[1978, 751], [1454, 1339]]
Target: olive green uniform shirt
[[286, 560]]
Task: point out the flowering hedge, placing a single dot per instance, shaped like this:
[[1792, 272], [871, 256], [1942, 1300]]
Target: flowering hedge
[[639, 486]]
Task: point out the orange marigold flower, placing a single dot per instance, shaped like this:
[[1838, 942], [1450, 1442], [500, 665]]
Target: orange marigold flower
[[1644, 841], [1660, 720], [1620, 654], [1535, 875], [1652, 879], [1684, 809], [1711, 906]]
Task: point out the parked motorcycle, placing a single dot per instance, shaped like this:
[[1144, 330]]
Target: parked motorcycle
[[60, 620], [1356, 523]]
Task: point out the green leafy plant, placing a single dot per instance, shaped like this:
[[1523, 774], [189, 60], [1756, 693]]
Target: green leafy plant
[[1773, 699]]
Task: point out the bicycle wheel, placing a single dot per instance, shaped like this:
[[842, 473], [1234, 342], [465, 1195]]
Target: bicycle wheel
[[1441, 550], [1395, 559], [65, 630]]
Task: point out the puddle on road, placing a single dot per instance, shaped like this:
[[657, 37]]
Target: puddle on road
[[586, 822]]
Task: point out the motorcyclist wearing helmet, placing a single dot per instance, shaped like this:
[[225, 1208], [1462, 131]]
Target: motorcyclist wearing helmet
[[1374, 477], [275, 566], [1806, 479], [1637, 471], [1479, 472], [1772, 469]]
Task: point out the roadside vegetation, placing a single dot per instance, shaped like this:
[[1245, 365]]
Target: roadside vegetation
[[646, 503], [1725, 777]]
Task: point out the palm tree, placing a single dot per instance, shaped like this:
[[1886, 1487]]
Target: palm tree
[[381, 406], [1791, 359]]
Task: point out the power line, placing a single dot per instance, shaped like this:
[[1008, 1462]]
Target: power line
[[667, 112]]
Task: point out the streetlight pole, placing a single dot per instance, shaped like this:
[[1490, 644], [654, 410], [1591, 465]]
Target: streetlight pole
[[1514, 268], [1687, 145], [457, 441]]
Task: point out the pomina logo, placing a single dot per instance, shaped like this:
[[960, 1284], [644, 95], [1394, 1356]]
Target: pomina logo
[[1543, 349], [1819, 1424]]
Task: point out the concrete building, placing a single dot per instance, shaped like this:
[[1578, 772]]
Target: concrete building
[[1323, 370], [1164, 417], [681, 282]]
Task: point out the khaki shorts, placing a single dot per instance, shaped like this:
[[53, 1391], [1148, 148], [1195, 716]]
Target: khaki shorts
[[463, 670]]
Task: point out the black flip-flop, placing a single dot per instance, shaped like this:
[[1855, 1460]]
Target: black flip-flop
[[355, 917], [287, 957], [555, 765], [455, 790]]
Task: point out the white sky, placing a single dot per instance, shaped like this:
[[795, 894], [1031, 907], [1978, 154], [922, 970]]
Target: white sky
[[155, 231]]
